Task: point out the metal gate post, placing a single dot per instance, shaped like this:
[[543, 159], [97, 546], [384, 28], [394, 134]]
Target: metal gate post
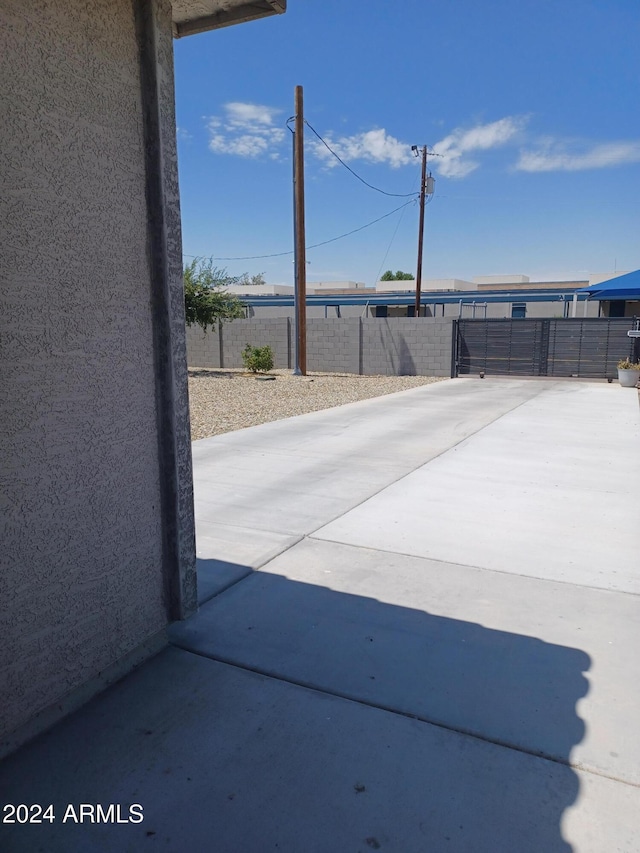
[[454, 349]]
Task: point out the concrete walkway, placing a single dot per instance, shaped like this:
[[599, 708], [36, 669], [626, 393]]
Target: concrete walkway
[[419, 631]]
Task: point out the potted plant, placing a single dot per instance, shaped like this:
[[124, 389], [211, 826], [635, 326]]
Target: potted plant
[[628, 373]]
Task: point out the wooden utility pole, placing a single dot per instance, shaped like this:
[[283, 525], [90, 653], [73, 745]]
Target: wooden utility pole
[[299, 238], [423, 183]]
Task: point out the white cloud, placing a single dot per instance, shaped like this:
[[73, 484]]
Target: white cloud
[[378, 146], [256, 130], [373, 146], [554, 155], [249, 115], [453, 163], [247, 145], [246, 130], [453, 166]]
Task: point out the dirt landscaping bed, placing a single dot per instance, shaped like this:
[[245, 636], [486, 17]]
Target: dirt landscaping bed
[[226, 400]]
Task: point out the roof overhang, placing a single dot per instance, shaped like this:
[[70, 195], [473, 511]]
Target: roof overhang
[[198, 16]]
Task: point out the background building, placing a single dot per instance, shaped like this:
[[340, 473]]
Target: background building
[[489, 297]]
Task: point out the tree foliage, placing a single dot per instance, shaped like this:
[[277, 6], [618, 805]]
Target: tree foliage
[[251, 280], [205, 299], [396, 276]]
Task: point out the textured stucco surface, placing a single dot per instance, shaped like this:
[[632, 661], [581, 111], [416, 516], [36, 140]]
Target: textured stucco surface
[[165, 247], [82, 556]]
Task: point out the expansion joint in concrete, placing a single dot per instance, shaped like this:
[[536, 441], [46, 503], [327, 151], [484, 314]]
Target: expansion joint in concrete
[[421, 464], [470, 566], [308, 685]]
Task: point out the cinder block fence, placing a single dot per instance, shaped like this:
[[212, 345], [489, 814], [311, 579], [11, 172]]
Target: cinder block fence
[[394, 346]]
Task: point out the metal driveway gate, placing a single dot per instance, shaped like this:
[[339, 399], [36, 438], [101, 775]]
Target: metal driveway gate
[[588, 347]]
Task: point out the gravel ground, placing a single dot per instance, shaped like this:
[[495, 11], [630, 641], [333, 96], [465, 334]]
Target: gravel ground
[[226, 400]]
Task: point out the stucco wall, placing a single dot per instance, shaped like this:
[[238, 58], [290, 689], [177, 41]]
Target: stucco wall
[[501, 310], [83, 558]]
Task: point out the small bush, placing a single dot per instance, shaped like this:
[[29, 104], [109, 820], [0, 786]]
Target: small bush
[[257, 359], [626, 364]]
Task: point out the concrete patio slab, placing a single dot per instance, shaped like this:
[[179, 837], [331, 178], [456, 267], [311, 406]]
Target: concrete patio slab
[[247, 545], [226, 553], [316, 475], [411, 427], [457, 671], [290, 477], [544, 492], [544, 667], [222, 760]]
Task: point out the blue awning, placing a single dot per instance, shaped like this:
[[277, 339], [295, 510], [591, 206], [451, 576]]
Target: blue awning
[[622, 287]]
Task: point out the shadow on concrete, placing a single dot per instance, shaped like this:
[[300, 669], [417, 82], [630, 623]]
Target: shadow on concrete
[[503, 689], [507, 688], [214, 576], [292, 717]]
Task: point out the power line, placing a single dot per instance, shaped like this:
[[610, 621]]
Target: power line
[[412, 196], [314, 246], [244, 258], [362, 227], [355, 174], [390, 243]]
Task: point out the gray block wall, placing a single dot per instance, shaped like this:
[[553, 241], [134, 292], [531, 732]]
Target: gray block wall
[[410, 346], [203, 348], [333, 345], [273, 332], [222, 345], [393, 346]]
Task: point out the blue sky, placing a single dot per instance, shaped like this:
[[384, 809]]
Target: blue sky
[[533, 105]]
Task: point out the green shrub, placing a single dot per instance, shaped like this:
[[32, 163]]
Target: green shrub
[[257, 359]]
